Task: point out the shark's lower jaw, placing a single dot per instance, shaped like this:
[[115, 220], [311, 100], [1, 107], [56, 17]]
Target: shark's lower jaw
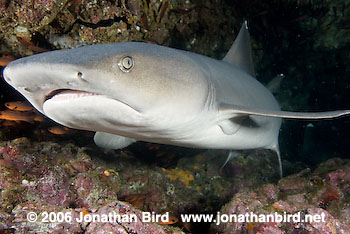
[[88, 111]]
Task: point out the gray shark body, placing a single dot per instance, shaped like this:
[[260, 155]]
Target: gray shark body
[[136, 91]]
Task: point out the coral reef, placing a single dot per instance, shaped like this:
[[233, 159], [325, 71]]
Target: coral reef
[[324, 191], [61, 177], [184, 176], [38, 177], [81, 182], [55, 24]]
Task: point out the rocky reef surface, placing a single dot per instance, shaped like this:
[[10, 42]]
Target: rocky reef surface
[[324, 191], [58, 24], [63, 178]]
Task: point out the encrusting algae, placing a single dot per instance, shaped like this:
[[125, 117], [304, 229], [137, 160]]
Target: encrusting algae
[[185, 176]]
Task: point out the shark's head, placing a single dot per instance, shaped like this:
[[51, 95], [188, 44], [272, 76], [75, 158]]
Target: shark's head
[[123, 85]]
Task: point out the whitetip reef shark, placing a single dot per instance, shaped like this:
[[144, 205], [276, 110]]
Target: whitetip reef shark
[[134, 91]]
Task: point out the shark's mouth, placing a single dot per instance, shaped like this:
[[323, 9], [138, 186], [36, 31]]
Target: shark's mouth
[[64, 95], [67, 94]]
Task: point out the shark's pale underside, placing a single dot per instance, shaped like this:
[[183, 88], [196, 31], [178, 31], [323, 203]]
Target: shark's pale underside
[[136, 91]]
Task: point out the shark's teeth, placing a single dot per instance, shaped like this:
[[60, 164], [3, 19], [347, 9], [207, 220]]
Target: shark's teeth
[[64, 94]]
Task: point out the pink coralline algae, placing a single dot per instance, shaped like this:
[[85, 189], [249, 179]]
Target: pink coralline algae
[[63, 178], [53, 188], [136, 226], [45, 178], [321, 193]]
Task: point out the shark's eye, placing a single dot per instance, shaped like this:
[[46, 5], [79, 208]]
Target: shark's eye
[[80, 76], [126, 64]]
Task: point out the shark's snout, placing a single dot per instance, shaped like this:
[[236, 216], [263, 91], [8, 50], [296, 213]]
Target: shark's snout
[[13, 78], [30, 80], [39, 81], [15, 75], [7, 74]]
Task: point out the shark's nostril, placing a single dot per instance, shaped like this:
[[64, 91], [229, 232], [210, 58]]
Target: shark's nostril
[[28, 90]]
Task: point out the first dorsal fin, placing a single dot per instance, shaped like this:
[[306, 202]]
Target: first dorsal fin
[[240, 53]]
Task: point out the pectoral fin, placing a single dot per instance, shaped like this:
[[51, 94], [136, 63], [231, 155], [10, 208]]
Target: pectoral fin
[[111, 141], [233, 154], [233, 110]]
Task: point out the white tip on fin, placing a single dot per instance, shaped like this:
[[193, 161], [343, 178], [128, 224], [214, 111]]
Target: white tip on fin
[[240, 53], [275, 84], [111, 141]]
